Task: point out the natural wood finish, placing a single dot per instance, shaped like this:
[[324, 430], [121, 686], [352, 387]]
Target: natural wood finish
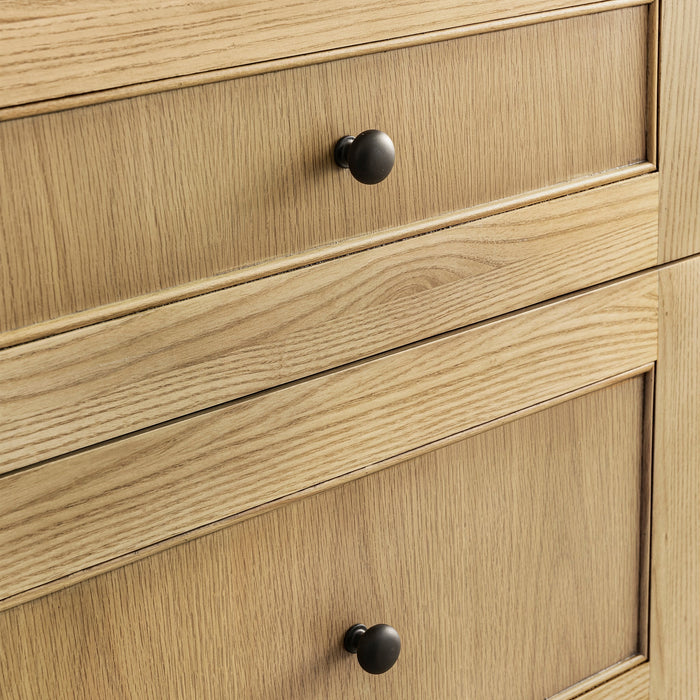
[[63, 324], [606, 677], [633, 685], [172, 187], [679, 130], [76, 511], [653, 83], [675, 601], [541, 514], [215, 526], [20, 111], [52, 48], [76, 389]]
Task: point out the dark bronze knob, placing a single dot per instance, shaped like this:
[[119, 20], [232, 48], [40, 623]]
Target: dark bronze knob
[[377, 648], [369, 155]]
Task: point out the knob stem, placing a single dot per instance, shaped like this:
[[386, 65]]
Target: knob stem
[[352, 638], [340, 151]]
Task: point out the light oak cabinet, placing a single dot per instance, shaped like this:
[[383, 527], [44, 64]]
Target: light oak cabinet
[[248, 402]]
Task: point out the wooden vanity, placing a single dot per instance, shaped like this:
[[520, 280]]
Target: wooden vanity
[[247, 402]]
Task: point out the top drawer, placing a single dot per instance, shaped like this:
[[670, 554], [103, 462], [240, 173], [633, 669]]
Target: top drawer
[[103, 203], [51, 49]]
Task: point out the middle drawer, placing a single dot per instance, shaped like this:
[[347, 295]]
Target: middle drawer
[[96, 504]]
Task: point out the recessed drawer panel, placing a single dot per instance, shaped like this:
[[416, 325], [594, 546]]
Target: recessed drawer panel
[[103, 203], [509, 562]]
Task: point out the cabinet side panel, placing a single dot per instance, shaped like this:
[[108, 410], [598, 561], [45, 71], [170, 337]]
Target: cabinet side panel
[[633, 685], [675, 590], [679, 130]]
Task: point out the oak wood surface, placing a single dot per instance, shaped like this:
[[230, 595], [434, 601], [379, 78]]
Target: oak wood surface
[[609, 677], [508, 562], [92, 384], [633, 685], [653, 20], [54, 48], [223, 523], [81, 509], [675, 570], [107, 202], [313, 256], [679, 130]]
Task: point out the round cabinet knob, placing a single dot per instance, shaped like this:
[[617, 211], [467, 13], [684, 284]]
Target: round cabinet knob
[[369, 155], [377, 648]]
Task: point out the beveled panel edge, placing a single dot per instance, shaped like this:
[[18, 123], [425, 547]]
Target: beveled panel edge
[[645, 515], [588, 687], [277, 266], [652, 116], [628, 680], [335, 482], [95, 96]]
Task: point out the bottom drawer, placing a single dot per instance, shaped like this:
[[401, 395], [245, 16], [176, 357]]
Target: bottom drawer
[[511, 562]]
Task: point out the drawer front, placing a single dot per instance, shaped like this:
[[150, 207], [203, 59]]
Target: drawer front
[[107, 202], [509, 562]]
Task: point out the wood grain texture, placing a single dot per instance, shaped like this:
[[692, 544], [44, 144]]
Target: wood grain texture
[[169, 295], [633, 685], [675, 608], [607, 677], [679, 129], [653, 83], [223, 523], [462, 549], [92, 384], [169, 188], [76, 511], [50, 49]]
